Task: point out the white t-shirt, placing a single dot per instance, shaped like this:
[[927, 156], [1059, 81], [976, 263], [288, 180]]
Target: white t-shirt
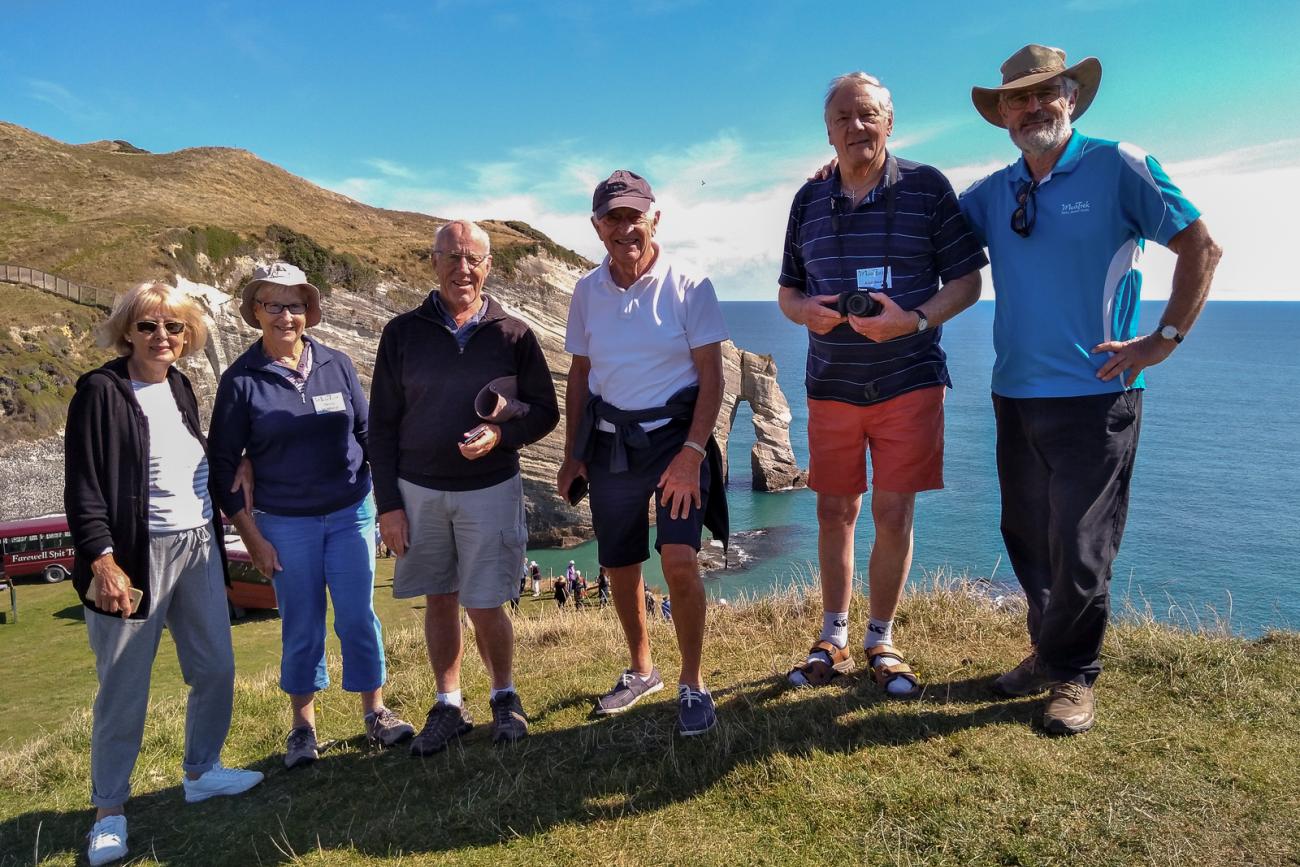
[[639, 339], [178, 468]]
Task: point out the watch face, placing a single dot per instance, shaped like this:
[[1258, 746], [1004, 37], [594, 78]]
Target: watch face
[[1169, 332]]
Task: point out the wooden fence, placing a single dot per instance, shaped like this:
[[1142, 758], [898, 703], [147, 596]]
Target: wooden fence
[[60, 286]]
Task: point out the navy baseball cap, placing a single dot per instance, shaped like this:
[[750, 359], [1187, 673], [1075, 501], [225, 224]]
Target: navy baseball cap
[[622, 189]]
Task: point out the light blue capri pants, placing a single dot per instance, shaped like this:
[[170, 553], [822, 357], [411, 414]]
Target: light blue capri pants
[[334, 551]]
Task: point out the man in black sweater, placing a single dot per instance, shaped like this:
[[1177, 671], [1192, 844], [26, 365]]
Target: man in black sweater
[[447, 483]]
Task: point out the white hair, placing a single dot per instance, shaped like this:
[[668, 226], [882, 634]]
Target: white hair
[[474, 230], [859, 79]]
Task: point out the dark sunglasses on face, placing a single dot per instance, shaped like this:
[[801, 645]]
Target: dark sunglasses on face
[[148, 326], [297, 308], [1023, 217]]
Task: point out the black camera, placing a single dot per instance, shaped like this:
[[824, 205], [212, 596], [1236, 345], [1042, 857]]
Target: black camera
[[855, 302]]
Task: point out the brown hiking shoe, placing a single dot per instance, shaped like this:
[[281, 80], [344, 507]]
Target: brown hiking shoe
[[1071, 709], [508, 721], [444, 723], [1027, 678]]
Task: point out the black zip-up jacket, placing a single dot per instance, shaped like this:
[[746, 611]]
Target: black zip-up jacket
[[422, 401], [106, 475]]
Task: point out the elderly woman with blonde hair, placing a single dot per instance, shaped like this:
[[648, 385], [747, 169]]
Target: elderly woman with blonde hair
[[148, 552]]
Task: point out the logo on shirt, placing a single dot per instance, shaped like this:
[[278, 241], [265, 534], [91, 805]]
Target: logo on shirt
[[1080, 207]]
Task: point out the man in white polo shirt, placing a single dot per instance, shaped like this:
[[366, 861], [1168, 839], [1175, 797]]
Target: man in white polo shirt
[[645, 387]]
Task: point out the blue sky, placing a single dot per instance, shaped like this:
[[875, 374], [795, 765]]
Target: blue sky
[[515, 110]]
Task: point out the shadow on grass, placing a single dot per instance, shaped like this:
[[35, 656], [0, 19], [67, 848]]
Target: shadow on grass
[[381, 803]]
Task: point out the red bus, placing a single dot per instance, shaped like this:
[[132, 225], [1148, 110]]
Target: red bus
[[37, 546]]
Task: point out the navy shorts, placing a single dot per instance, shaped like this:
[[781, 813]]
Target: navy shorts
[[619, 512]]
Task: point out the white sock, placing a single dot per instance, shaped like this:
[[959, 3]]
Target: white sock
[[452, 698], [878, 632], [835, 627], [495, 693]]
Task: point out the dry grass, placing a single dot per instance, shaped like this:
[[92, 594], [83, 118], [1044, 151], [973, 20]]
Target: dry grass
[[1195, 757]]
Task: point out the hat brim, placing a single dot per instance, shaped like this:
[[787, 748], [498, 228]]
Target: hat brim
[[1086, 72], [639, 203], [249, 294]]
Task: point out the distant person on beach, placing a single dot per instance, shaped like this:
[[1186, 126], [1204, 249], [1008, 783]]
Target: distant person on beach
[[447, 481], [602, 586], [877, 258], [535, 573], [296, 411], [149, 553], [1064, 226], [644, 390]]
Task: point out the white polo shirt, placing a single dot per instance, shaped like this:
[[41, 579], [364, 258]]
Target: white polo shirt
[[639, 339]]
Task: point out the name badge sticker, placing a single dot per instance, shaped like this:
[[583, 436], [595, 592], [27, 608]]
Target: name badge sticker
[[328, 402], [871, 278]]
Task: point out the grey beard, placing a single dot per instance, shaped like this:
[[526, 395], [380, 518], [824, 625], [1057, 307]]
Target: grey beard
[[1044, 139]]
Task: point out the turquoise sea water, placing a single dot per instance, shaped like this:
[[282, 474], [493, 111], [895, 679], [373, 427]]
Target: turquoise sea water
[[1214, 522]]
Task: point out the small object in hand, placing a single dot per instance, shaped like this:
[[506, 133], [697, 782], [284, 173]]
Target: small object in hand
[[474, 436], [577, 490]]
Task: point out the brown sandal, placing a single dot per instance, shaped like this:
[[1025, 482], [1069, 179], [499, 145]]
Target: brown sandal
[[884, 675], [815, 671]]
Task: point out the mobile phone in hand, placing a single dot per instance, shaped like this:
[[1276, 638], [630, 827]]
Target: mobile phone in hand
[[474, 436]]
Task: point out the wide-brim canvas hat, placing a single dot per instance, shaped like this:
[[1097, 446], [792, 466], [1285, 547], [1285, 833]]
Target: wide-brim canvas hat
[[279, 274], [1032, 65]]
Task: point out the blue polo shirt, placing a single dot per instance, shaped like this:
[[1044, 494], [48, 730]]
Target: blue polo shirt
[[828, 240], [1074, 282]]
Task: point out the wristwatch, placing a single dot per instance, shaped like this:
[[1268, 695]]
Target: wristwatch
[[921, 322], [1169, 332]]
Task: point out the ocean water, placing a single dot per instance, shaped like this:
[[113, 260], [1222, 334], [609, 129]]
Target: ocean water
[[1213, 534]]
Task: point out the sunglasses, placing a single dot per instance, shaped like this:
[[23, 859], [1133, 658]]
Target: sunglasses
[[148, 326], [1022, 218]]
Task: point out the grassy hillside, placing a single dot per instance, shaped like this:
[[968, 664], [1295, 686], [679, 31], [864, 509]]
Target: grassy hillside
[[111, 215], [1194, 760], [45, 344]]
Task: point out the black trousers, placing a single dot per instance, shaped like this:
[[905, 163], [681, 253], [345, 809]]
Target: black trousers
[[1064, 466]]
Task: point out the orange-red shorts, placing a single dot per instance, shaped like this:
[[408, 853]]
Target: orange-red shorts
[[904, 435]]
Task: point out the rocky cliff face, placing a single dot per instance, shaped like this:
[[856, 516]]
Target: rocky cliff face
[[539, 293]]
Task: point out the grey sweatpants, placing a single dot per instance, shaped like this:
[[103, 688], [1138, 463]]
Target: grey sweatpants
[[189, 596]]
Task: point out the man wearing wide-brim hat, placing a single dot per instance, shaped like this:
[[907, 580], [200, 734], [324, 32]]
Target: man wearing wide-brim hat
[[1065, 225]]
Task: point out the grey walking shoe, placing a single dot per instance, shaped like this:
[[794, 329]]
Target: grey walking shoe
[[300, 747], [387, 729], [1027, 678], [444, 723], [1071, 709], [509, 724], [630, 689]]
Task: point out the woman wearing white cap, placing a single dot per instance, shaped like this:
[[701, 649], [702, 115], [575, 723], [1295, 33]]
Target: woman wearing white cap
[[296, 410]]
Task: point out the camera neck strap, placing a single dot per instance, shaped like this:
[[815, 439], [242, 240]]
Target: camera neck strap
[[891, 199]]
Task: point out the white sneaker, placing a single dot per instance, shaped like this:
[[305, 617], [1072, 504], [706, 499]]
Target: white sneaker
[[219, 780], [107, 840]]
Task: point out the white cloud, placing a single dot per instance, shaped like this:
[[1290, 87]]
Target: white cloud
[[390, 169], [725, 204], [62, 99]]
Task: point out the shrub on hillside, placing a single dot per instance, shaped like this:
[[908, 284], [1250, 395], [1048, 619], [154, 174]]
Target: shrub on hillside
[[219, 246], [324, 267]]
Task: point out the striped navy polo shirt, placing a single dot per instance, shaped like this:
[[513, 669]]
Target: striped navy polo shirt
[[828, 240]]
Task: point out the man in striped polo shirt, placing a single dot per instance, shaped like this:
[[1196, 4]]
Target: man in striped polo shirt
[[892, 229], [1065, 225]]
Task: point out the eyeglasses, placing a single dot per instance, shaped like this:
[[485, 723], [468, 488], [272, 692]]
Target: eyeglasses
[[633, 218], [1045, 95], [148, 326], [468, 258], [297, 308], [1022, 218]]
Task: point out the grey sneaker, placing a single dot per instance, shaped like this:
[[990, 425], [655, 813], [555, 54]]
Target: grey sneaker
[[444, 722], [630, 689], [509, 724], [300, 747], [387, 729], [1027, 678], [1071, 709]]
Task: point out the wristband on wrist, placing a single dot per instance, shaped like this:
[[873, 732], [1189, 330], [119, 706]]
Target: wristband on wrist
[[694, 446]]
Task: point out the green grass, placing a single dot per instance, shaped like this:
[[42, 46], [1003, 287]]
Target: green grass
[[1194, 759]]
